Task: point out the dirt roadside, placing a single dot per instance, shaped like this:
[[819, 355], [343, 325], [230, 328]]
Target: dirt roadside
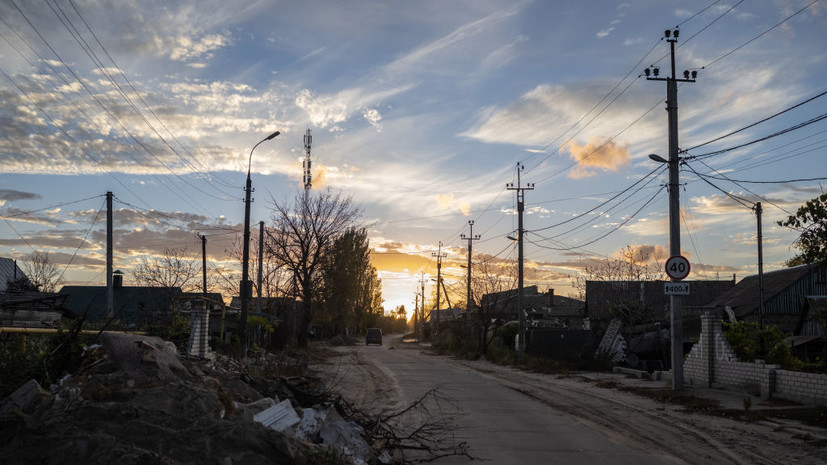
[[612, 404]]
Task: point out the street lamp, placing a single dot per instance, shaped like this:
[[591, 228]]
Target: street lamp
[[246, 286]]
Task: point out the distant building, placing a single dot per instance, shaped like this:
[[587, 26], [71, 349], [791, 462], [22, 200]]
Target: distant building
[[542, 309], [131, 304], [9, 273], [791, 297]]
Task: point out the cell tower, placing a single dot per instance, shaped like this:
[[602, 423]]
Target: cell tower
[[307, 176]]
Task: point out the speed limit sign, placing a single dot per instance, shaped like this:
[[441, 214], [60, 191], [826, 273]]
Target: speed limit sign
[[677, 267]]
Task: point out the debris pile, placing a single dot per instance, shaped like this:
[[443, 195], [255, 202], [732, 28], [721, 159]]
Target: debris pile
[[135, 401]]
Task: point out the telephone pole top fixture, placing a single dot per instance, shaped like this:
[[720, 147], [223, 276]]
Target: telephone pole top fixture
[[520, 208], [653, 74]]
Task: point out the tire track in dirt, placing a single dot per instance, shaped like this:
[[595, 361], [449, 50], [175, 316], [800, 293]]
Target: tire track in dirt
[[694, 438]]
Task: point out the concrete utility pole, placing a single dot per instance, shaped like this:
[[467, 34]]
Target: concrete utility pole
[[260, 262], [246, 287], [422, 307], [520, 207], [205, 325], [674, 199], [110, 291], [438, 256], [470, 238], [416, 315], [308, 140], [758, 211]]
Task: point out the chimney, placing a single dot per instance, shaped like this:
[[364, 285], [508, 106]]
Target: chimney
[[551, 297], [117, 279]]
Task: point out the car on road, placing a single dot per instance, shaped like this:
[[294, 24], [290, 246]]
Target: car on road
[[373, 336]]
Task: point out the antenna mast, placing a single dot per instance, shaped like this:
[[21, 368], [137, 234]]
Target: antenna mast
[[308, 139]]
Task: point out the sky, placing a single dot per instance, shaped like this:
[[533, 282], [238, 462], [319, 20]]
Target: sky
[[421, 112]]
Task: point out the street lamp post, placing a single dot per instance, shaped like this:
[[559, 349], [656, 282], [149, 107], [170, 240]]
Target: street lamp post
[[246, 286]]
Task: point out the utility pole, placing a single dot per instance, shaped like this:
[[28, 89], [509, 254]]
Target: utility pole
[[520, 207], [674, 199], [205, 323], [308, 139], [110, 291], [416, 314], [438, 256], [471, 238], [422, 307], [758, 211], [260, 262], [246, 286]]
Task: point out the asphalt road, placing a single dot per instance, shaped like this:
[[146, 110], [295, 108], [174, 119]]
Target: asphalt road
[[500, 424]]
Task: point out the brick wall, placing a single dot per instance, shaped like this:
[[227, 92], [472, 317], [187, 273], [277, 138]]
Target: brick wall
[[806, 387], [713, 363]]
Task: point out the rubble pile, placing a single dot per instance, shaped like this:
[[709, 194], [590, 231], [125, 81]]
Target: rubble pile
[[135, 401]]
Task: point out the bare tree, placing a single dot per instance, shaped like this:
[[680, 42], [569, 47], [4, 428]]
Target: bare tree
[[42, 272], [491, 278], [635, 264], [276, 280], [174, 269], [301, 235]]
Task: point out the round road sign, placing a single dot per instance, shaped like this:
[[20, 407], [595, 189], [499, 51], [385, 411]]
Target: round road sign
[[677, 267]]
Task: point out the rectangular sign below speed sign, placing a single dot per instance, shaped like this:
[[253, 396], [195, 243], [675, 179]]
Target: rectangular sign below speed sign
[[676, 288]]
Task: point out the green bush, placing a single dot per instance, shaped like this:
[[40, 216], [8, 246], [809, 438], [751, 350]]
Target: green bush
[[751, 343]]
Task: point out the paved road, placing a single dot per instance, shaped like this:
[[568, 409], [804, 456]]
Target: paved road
[[500, 425]]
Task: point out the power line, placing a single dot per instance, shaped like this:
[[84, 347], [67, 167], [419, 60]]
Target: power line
[[107, 111], [661, 168], [94, 220], [756, 123], [600, 237], [67, 23], [761, 139], [29, 212], [758, 36]]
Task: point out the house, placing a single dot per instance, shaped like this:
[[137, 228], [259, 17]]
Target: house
[[646, 302], [132, 305], [792, 296], [543, 309], [31, 309], [10, 273], [445, 314]]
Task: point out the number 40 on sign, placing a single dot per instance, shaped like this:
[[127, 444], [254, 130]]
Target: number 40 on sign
[[677, 267]]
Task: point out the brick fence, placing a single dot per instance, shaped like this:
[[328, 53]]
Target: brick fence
[[713, 364]]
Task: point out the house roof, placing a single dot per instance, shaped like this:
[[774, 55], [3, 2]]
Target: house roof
[[8, 271], [133, 304], [215, 297], [601, 295], [743, 297], [270, 303]]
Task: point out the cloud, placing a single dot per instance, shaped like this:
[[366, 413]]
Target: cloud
[[373, 117], [604, 32], [7, 195], [597, 153], [415, 58], [444, 201], [503, 55]]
